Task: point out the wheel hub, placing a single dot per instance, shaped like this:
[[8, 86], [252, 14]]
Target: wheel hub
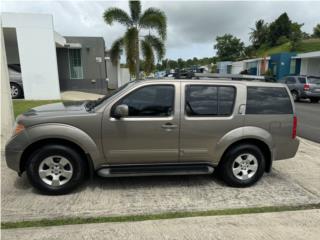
[[244, 166], [55, 170]]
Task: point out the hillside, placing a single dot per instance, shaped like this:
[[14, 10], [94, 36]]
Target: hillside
[[307, 45]]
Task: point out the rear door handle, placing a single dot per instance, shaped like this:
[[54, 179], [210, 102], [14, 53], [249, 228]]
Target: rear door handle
[[169, 126]]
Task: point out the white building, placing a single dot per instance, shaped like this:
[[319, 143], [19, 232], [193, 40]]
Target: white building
[[310, 63], [32, 43]]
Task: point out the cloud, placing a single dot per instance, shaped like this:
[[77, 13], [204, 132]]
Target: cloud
[[192, 25]]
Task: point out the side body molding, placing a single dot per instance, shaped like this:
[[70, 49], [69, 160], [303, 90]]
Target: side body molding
[[242, 133], [70, 133]]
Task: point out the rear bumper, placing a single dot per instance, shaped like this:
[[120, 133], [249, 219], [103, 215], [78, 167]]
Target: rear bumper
[[288, 151], [308, 94]]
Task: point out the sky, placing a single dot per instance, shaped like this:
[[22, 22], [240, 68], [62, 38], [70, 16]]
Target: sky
[[192, 25]]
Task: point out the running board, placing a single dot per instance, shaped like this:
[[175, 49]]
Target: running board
[[153, 170]]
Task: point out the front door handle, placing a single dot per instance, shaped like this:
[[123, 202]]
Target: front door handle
[[169, 126]]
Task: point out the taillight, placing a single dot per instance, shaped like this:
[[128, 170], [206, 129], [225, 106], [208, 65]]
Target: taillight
[[294, 127], [306, 87]]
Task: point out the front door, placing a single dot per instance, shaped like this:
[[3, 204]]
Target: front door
[[150, 133]]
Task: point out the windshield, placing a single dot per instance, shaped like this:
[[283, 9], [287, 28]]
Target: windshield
[[92, 104], [314, 80]]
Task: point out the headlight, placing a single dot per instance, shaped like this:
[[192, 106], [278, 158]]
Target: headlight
[[18, 128]]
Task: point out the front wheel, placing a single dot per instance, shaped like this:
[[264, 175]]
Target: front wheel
[[242, 166], [55, 169]]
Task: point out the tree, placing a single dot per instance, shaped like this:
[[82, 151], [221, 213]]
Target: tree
[[259, 34], [150, 19], [281, 27], [296, 35], [229, 47], [316, 31]]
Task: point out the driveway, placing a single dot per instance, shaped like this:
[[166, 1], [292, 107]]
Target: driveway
[[298, 225], [292, 182], [308, 120]]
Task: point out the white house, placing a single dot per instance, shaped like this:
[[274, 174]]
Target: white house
[[310, 63]]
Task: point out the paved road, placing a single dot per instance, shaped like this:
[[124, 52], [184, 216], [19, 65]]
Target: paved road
[[308, 120], [298, 225]]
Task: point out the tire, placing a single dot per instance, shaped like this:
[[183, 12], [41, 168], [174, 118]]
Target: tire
[[295, 96], [314, 100], [16, 91], [231, 160], [61, 165]]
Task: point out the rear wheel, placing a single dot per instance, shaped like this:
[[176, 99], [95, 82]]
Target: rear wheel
[[55, 169], [295, 96], [242, 166], [16, 91]]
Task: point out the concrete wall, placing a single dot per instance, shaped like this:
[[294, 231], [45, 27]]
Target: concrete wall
[[94, 71], [310, 66], [7, 119], [124, 76], [37, 54], [237, 67], [113, 73]]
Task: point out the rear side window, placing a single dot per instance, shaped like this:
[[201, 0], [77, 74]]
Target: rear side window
[[206, 100], [302, 80], [268, 100], [290, 80]]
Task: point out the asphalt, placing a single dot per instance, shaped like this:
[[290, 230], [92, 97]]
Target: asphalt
[[308, 120], [298, 225]]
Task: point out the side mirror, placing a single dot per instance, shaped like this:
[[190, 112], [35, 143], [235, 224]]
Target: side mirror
[[121, 111]]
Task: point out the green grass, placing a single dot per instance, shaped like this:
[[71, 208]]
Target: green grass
[[21, 106], [307, 45], [170, 215]]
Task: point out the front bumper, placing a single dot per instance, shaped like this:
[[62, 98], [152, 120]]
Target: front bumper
[[14, 150]]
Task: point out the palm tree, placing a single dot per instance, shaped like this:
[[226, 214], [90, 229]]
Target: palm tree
[[131, 42], [259, 34]]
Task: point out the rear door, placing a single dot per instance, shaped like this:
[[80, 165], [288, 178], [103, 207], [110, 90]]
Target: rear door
[[208, 112]]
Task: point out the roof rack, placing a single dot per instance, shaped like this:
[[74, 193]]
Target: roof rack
[[238, 77]]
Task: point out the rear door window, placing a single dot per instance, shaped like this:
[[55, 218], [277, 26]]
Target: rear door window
[[209, 100], [302, 80], [268, 100], [290, 80]]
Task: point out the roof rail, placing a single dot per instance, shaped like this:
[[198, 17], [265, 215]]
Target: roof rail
[[238, 77]]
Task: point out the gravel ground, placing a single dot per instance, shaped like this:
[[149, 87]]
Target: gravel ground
[[292, 182]]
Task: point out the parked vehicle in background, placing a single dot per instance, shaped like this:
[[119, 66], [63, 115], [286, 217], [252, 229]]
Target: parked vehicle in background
[[163, 127], [183, 74], [15, 81], [303, 87]]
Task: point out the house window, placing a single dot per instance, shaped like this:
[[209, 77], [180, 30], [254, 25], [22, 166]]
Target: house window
[[293, 66], [75, 64]]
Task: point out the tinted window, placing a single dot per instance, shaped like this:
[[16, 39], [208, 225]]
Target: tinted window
[[204, 100], [268, 100], [302, 80], [150, 101], [290, 80]]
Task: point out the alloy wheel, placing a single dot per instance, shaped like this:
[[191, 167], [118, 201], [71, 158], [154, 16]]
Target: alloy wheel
[[245, 166], [55, 170]]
